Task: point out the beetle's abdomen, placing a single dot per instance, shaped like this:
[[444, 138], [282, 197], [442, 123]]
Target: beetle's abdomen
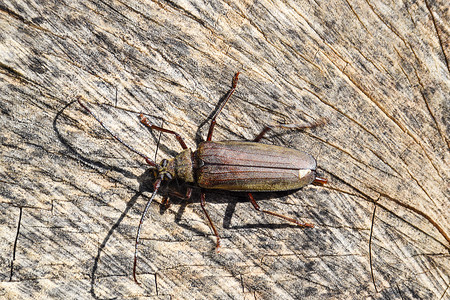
[[249, 166]]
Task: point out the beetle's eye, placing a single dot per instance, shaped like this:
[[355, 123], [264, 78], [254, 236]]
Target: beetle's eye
[[164, 163]]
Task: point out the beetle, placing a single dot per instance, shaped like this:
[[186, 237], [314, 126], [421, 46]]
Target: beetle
[[238, 166]]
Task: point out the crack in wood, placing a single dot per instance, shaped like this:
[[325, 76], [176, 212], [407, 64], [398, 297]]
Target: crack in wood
[[15, 244]]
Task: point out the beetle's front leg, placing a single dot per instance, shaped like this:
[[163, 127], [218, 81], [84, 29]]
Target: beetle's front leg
[[165, 201], [151, 126], [288, 126], [186, 196], [256, 206], [203, 204]]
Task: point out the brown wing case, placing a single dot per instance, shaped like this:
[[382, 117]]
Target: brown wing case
[[249, 166]]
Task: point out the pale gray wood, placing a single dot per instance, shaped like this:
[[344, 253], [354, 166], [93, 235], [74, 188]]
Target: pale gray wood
[[377, 70]]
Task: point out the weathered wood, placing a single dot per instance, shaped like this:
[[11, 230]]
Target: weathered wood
[[378, 71]]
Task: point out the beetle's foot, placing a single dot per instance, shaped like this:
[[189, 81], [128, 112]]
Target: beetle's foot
[[320, 181], [309, 225], [218, 245]]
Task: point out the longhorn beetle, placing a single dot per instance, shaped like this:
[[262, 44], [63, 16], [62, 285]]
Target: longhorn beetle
[[229, 165]]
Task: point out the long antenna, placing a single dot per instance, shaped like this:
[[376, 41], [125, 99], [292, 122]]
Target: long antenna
[[147, 159], [138, 234]]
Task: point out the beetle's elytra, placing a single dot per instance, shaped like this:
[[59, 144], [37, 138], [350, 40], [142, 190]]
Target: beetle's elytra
[[230, 165], [252, 167]]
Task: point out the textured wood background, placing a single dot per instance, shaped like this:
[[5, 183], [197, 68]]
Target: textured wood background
[[71, 197]]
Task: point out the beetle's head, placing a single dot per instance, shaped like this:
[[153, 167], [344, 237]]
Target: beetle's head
[[162, 171]]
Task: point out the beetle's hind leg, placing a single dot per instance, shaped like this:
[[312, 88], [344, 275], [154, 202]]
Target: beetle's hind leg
[[256, 206], [203, 204]]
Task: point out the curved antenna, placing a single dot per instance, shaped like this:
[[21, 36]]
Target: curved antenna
[[156, 187], [147, 159]]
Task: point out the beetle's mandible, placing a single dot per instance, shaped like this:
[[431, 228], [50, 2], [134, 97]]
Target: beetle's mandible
[[229, 165]]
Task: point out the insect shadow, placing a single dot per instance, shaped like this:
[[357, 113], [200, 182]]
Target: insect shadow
[[147, 178]]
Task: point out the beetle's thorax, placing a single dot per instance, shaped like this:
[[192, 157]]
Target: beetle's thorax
[[181, 166]]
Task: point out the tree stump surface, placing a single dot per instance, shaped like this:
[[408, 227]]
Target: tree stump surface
[[72, 197]]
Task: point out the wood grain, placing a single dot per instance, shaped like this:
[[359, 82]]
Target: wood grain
[[378, 71]]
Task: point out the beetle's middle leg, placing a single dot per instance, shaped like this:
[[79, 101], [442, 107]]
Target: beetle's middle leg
[[288, 126], [230, 92], [203, 204], [256, 206]]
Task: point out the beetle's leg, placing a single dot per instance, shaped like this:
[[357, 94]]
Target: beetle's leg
[[230, 92], [187, 196], [165, 201], [151, 126], [203, 204], [320, 181], [288, 126], [256, 206]]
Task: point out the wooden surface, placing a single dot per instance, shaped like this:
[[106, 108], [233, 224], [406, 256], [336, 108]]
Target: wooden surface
[[377, 70]]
